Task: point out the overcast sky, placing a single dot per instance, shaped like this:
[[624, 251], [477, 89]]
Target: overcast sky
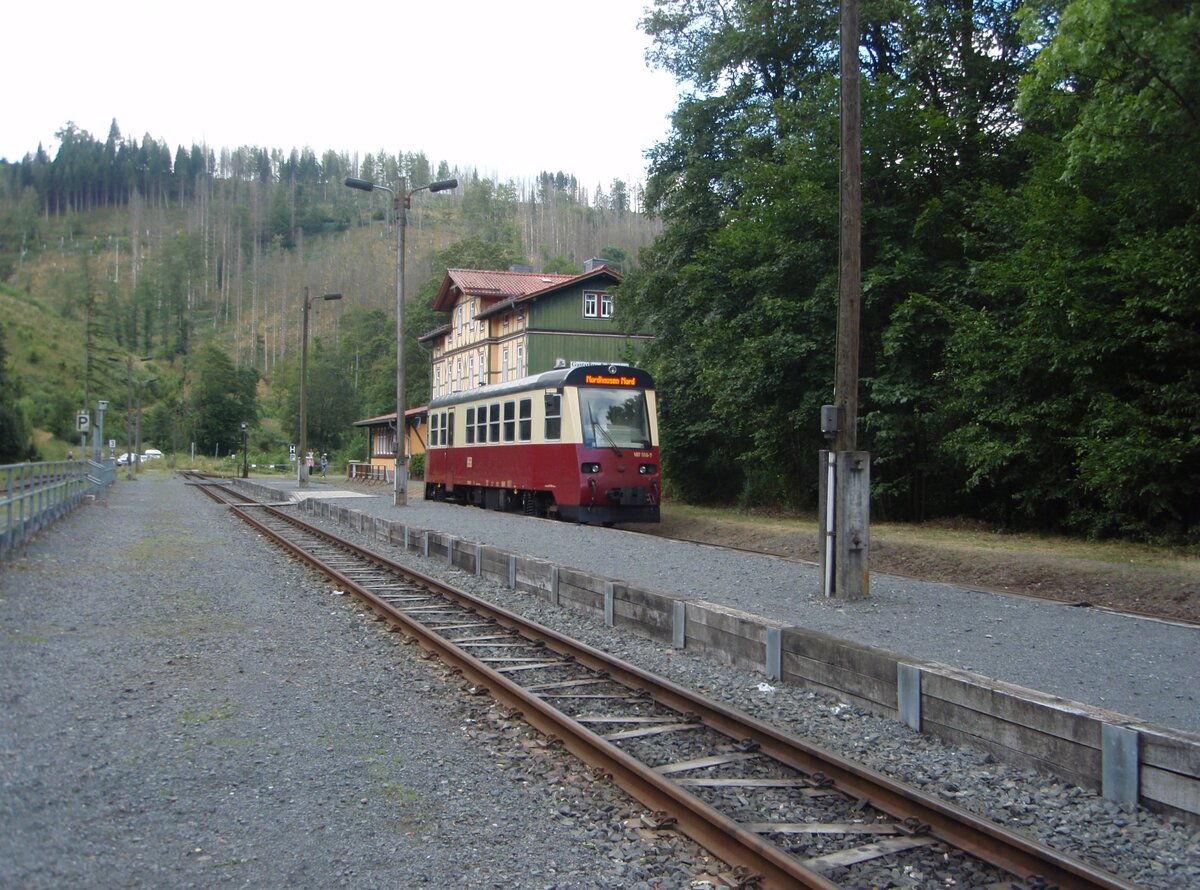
[[507, 88]]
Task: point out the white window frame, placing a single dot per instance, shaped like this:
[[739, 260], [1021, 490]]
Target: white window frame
[[591, 304], [606, 304]]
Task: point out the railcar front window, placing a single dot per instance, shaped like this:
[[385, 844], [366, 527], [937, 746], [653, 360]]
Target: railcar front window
[[614, 418]]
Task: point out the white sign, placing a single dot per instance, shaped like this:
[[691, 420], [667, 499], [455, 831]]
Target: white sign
[[112, 444], [83, 423]]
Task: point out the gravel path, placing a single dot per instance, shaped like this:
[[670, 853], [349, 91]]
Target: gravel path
[[181, 706], [1142, 668]]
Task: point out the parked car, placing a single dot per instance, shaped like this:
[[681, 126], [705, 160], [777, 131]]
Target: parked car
[[152, 454], [123, 459]]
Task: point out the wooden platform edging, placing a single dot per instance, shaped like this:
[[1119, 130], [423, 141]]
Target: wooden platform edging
[[1107, 752]]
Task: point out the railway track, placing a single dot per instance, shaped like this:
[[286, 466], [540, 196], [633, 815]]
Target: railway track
[[782, 812]]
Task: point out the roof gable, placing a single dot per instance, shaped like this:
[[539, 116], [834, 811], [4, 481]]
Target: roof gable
[[510, 287]]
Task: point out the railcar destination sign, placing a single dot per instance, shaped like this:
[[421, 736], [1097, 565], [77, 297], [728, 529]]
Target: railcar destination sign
[[601, 380]]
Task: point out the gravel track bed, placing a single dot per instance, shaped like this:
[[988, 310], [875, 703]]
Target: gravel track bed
[[183, 706], [1141, 846], [1156, 677]]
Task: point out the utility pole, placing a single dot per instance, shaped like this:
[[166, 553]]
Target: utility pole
[[845, 472]]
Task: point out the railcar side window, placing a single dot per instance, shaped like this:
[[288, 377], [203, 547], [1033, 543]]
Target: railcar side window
[[433, 429], [510, 421], [494, 434], [553, 416], [470, 426], [448, 428], [525, 427], [480, 425]]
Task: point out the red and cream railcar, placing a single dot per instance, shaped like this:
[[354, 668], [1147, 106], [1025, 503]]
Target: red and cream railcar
[[580, 443]]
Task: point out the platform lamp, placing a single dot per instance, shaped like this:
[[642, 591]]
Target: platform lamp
[[301, 467], [402, 200]]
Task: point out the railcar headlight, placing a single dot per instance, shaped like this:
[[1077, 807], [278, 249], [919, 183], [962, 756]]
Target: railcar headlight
[[648, 469], [590, 468]]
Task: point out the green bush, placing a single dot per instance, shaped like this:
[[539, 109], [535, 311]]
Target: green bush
[[416, 466]]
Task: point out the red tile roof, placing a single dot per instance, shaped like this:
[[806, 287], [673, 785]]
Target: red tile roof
[[495, 285]]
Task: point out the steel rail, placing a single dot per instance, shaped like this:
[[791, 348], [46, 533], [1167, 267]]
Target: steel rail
[[1021, 856]]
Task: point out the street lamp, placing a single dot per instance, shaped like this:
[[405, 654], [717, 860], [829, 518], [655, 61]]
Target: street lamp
[[301, 467], [402, 201]]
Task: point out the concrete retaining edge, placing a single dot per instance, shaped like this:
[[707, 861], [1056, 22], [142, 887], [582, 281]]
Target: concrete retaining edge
[[1126, 759]]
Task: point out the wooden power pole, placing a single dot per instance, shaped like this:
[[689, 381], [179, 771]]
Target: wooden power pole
[[845, 471]]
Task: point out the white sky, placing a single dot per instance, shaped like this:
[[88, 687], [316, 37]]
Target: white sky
[[507, 88]]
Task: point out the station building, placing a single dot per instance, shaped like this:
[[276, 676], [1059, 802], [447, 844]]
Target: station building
[[506, 325]]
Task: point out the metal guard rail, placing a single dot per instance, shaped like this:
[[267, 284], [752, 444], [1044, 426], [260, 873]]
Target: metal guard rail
[[33, 495]]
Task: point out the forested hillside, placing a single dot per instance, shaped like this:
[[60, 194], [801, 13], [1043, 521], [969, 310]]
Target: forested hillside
[[1031, 284], [1031, 234], [195, 266]]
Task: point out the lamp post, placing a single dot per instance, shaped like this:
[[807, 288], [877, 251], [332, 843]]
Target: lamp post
[[245, 469], [402, 201], [301, 467]]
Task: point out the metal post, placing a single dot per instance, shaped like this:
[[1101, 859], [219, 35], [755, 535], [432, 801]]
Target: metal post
[[129, 418], [245, 467], [301, 466], [137, 455], [401, 204]]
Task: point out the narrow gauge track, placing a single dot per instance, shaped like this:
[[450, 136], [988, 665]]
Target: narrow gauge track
[[784, 813]]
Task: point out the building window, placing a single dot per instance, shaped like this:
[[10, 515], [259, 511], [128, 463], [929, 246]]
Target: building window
[[525, 427], [591, 300], [504, 364], [606, 305], [553, 415], [472, 378], [520, 360]]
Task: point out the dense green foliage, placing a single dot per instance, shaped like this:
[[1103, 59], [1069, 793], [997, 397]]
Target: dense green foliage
[[16, 433], [121, 265], [1031, 298]]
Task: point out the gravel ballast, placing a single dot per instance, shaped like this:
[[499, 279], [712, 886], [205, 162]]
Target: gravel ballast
[[1138, 845], [1143, 668], [182, 706], [161, 726]]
